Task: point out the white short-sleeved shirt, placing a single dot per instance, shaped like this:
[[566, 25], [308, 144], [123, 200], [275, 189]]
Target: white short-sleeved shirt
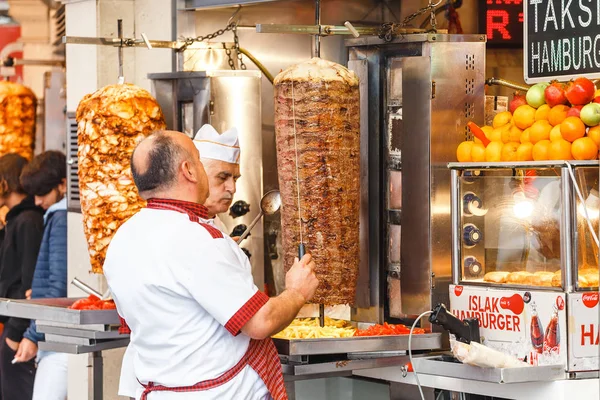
[[179, 289]]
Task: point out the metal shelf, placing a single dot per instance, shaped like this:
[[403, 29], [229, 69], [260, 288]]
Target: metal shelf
[[522, 164], [56, 310]]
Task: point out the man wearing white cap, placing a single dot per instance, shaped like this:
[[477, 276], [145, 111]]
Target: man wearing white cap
[[220, 156]]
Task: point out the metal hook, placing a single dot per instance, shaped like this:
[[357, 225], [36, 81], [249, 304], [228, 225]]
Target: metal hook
[[230, 20]]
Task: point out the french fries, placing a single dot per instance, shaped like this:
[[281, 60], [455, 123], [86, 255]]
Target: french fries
[[308, 328]]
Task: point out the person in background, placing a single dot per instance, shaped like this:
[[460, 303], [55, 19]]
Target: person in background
[[18, 254], [221, 160], [45, 179]]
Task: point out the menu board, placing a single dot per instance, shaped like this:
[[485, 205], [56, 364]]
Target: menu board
[[561, 39]]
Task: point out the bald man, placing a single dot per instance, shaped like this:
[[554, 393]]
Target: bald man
[[200, 327]]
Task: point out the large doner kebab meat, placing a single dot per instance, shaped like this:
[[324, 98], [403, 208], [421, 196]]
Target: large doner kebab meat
[[317, 126], [17, 119], [110, 122]]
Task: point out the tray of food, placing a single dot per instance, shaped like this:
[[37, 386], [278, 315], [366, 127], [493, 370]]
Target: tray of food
[[62, 310], [306, 337]]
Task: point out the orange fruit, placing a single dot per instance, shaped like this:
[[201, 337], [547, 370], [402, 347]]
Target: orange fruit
[[524, 116], [560, 150], [558, 114], [584, 149], [542, 112], [496, 134], [525, 136], [594, 134], [540, 150], [501, 119], [493, 151], [463, 151], [509, 151], [524, 152], [540, 130], [487, 130], [478, 152], [555, 133], [572, 128]]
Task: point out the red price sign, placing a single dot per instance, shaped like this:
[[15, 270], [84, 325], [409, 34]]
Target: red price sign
[[502, 22]]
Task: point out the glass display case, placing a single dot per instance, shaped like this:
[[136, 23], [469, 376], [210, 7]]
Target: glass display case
[[526, 224]]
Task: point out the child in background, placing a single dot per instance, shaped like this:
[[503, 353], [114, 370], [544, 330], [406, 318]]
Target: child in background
[[45, 179]]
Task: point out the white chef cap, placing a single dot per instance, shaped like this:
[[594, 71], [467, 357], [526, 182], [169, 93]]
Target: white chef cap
[[223, 147]]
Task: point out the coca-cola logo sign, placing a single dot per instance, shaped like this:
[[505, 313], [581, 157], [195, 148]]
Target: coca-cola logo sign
[[514, 303], [560, 303], [458, 290], [590, 299]]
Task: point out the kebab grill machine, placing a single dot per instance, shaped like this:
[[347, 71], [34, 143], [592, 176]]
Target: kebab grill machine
[[416, 94]]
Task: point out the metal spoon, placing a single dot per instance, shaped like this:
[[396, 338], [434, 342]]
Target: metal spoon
[[269, 204]]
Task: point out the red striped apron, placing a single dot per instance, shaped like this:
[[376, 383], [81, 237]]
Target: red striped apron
[[261, 356]]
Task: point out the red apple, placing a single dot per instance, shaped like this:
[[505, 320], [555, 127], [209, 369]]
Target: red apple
[[575, 111]]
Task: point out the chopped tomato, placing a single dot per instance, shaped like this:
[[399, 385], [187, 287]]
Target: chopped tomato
[[387, 329], [109, 305]]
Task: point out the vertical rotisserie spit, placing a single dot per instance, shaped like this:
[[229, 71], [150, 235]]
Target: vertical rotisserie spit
[[17, 119], [317, 124], [110, 122]]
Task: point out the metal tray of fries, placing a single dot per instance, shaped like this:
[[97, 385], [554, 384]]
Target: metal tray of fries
[[300, 347]]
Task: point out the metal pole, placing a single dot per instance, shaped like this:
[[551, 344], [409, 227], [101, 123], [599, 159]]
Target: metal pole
[[120, 34], [566, 222], [95, 376], [455, 218], [318, 23]]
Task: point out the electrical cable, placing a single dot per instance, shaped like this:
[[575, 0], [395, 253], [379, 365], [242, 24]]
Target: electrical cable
[[410, 351]]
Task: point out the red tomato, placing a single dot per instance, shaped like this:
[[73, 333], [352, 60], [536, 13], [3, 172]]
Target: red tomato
[[109, 305], [580, 91]]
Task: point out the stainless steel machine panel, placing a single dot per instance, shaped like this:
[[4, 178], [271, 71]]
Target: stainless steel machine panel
[[235, 101], [423, 89], [224, 99]]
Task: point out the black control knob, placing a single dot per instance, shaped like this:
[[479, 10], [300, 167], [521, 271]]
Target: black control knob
[[239, 209], [473, 266], [471, 235], [247, 253], [238, 230]]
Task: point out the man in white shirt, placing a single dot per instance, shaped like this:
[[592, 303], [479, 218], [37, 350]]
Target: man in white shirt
[[220, 159], [200, 327]]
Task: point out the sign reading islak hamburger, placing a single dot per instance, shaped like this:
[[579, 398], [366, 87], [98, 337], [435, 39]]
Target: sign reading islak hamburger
[[528, 325], [584, 331]]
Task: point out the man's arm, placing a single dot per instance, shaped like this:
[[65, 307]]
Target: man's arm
[[301, 284]]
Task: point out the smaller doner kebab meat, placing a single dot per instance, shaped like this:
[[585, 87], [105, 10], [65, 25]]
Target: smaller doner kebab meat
[[17, 119], [317, 122], [110, 122]]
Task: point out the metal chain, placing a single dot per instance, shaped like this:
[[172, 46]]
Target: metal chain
[[232, 26], [236, 45], [387, 29]]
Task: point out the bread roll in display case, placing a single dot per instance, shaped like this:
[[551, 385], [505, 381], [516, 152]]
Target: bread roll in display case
[[525, 258]]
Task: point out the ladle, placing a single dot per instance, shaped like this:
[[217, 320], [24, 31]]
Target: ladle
[[269, 204]]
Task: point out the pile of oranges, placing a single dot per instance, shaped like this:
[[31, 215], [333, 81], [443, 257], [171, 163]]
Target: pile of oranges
[[534, 134]]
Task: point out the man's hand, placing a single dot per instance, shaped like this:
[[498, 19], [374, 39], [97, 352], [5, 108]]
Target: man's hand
[[301, 278], [27, 350], [300, 286], [14, 346], [28, 294]]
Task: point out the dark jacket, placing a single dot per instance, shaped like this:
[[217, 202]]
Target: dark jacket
[[50, 278], [18, 255]]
